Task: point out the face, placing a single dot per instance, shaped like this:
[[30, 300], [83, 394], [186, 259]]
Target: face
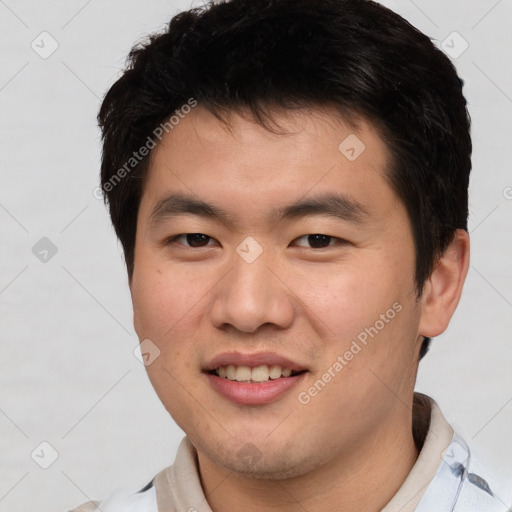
[[299, 257]]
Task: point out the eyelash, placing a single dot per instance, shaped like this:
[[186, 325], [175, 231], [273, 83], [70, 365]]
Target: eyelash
[[173, 240]]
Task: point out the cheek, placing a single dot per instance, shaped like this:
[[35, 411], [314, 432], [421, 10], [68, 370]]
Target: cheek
[[372, 318], [160, 299], [351, 298], [165, 315], [169, 309]]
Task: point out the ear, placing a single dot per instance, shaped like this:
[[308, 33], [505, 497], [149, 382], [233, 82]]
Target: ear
[[442, 290]]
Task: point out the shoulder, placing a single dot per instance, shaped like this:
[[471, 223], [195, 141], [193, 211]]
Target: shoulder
[[480, 490], [90, 506], [460, 483], [170, 489], [460, 486], [124, 500]]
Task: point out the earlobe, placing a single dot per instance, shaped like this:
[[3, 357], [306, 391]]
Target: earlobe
[[443, 288]]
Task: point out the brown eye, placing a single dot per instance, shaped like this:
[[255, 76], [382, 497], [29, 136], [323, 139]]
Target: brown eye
[[192, 239], [318, 240]]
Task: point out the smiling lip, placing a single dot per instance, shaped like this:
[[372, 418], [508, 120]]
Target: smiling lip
[[258, 393], [249, 393]]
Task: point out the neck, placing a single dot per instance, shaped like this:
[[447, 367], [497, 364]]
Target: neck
[[370, 474]]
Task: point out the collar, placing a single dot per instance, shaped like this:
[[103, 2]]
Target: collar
[[432, 435]]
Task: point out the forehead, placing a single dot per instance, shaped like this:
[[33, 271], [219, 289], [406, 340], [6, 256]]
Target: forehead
[[241, 162], [311, 127]]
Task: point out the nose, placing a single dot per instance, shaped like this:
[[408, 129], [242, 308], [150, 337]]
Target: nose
[[252, 295]]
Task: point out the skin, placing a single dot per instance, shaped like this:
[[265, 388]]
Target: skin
[[299, 301]]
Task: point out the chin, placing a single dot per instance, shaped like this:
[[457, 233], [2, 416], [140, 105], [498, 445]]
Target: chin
[[265, 463]]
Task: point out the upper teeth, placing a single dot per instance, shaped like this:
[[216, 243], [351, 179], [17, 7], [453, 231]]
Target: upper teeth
[[256, 374]]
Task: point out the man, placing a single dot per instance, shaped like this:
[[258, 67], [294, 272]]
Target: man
[[289, 181]]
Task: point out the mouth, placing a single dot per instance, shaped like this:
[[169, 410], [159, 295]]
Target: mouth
[[257, 374], [253, 379]]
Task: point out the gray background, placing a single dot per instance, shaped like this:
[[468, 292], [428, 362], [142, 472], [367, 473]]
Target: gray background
[[67, 369]]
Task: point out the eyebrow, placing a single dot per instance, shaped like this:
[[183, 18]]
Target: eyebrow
[[335, 205]]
